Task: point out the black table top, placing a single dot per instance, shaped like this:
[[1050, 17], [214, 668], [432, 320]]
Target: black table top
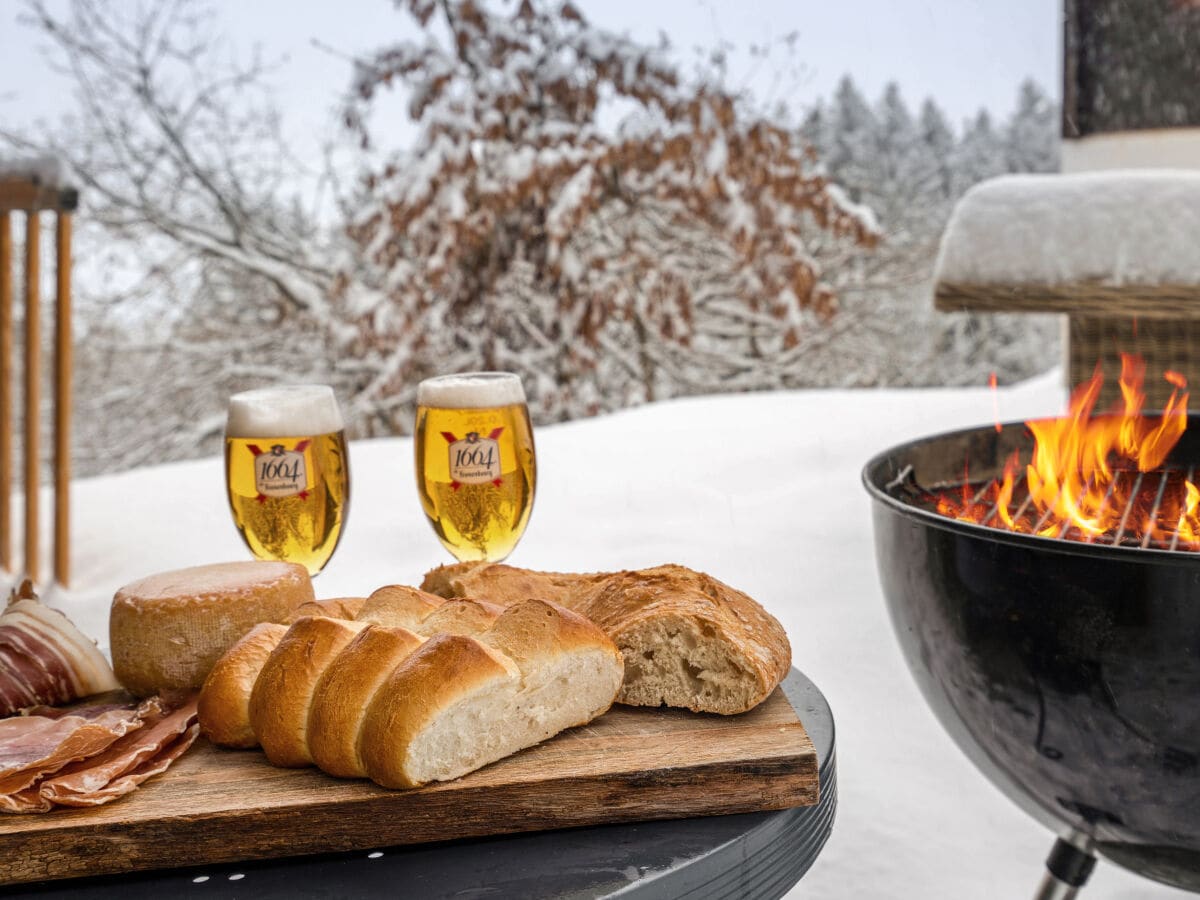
[[754, 855]]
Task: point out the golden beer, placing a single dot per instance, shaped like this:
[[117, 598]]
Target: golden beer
[[476, 468], [287, 473]]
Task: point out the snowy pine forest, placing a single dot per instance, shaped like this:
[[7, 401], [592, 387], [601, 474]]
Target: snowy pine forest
[[573, 208], [910, 166]]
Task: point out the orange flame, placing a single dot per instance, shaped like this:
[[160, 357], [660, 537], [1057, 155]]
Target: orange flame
[[995, 402], [1074, 477]]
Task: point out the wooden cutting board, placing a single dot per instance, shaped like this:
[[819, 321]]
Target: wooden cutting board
[[216, 806]]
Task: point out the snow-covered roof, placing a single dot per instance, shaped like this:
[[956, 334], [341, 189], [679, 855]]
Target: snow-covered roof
[[1124, 227]]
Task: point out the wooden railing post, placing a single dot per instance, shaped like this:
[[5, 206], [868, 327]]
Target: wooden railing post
[[28, 189], [6, 380], [62, 402], [33, 393]]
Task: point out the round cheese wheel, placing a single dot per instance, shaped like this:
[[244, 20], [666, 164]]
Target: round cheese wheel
[[167, 631]]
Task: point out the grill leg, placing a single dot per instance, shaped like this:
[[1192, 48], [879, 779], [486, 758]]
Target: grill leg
[[1067, 869]]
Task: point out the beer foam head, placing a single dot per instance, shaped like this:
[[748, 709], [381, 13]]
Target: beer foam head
[[473, 390], [292, 410]]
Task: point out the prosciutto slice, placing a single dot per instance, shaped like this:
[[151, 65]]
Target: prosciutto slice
[[123, 759], [121, 786], [44, 658], [82, 755], [34, 746], [89, 755]]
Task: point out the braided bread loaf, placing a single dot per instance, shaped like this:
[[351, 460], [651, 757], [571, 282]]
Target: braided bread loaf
[[414, 689]]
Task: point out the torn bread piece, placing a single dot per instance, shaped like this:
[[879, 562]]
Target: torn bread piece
[[688, 639]]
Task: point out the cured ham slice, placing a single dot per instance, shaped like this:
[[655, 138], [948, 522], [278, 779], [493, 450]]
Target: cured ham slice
[[89, 755], [44, 658], [119, 787], [26, 801], [34, 746], [140, 753]]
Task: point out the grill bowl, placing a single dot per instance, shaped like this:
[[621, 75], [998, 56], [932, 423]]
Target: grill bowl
[[1069, 673]]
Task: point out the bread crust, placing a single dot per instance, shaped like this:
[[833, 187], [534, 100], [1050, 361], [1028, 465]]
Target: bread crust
[[224, 703], [531, 630], [282, 694], [333, 608], [462, 616], [752, 642], [167, 631], [362, 699], [398, 605], [447, 667], [346, 689]]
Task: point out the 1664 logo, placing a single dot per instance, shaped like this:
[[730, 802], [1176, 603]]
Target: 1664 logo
[[474, 459], [280, 472]]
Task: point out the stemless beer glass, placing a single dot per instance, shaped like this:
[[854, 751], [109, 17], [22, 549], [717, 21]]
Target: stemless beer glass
[[287, 473], [476, 469]]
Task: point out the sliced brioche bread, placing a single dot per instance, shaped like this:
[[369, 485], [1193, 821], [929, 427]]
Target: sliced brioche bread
[[441, 713], [282, 695], [538, 670], [345, 690], [224, 704], [468, 684]]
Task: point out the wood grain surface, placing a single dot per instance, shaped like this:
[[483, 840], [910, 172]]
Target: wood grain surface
[[629, 765], [1157, 301]]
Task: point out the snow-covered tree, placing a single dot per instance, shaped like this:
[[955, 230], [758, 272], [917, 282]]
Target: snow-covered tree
[[521, 232], [1031, 134], [979, 154], [937, 140], [897, 157], [911, 173], [692, 249], [205, 269], [847, 152]]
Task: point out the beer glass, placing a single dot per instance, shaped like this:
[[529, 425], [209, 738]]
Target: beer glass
[[286, 472], [476, 470]]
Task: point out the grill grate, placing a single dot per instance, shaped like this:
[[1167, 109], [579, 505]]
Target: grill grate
[[1151, 506]]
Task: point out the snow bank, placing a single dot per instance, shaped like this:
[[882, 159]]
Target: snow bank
[[1125, 227]]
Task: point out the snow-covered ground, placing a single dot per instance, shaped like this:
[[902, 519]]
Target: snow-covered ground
[[762, 491]]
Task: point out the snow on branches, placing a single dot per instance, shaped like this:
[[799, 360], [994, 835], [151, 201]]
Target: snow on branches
[[534, 227]]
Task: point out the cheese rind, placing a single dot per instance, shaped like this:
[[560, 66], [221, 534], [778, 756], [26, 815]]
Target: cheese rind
[[167, 631]]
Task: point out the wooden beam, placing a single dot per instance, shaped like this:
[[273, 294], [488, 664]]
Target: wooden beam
[[1157, 301], [62, 403], [6, 380], [24, 194], [33, 368]]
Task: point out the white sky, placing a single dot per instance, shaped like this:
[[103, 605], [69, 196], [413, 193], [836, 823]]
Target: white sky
[[967, 54]]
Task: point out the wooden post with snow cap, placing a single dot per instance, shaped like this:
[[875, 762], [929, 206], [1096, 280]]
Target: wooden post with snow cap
[[1110, 243], [33, 187]]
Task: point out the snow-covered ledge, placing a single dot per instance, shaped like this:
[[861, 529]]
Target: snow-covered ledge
[[45, 171], [1156, 148], [1121, 242], [1108, 248]]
